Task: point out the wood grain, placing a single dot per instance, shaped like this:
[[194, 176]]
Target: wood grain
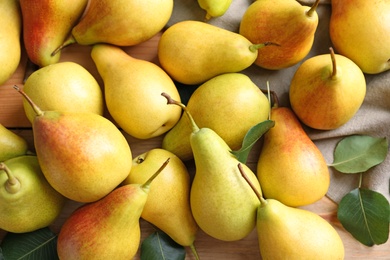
[[12, 116]]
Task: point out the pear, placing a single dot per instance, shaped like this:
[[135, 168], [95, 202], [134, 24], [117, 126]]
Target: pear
[[214, 8], [11, 144], [10, 44], [132, 89], [365, 40], [192, 52], [168, 204], [121, 22], [292, 233], [243, 103], [326, 91], [107, 228], [46, 24], [291, 168], [68, 83], [83, 155], [27, 201], [285, 22], [222, 203]]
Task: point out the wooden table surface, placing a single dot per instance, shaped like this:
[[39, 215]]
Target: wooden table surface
[[13, 117]]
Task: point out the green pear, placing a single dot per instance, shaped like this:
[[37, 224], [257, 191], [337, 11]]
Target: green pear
[[11, 144], [192, 52], [214, 8], [121, 22], [230, 95], [291, 168], [83, 155], [108, 227], [326, 91], [46, 24], [168, 204], [10, 33], [132, 89], [68, 83], [292, 233], [285, 22], [365, 40], [27, 201], [222, 203]]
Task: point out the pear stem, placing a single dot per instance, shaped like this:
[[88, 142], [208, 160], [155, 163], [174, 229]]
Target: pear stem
[[149, 181], [70, 40], [258, 194], [193, 249], [12, 185], [37, 110], [171, 101], [255, 47], [334, 64], [313, 8]]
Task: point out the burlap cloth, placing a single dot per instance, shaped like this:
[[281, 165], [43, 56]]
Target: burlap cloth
[[373, 118]]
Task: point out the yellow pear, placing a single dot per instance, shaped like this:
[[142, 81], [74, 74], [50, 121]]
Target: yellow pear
[[222, 203], [214, 8], [365, 40], [285, 22], [10, 32], [11, 144], [192, 52], [63, 86], [132, 91], [291, 168], [168, 204], [326, 91], [236, 103]]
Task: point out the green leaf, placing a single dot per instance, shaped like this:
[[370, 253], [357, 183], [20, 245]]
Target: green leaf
[[159, 245], [365, 214], [40, 244], [358, 153], [251, 137]]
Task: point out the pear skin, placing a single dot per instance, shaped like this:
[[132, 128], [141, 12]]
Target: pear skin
[[27, 201], [365, 40], [46, 24], [292, 233], [132, 91], [11, 144], [214, 8], [291, 168], [230, 95], [327, 90], [10, 43], [168, 204], [285, 22], [207, 51]]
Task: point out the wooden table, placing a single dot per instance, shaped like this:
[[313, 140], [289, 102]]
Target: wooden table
[[12, 116]]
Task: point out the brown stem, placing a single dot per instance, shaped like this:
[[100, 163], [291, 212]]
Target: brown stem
[[37, 110], [255, 47], [149, 181], [258, 194], [334, 65], [313, 8]]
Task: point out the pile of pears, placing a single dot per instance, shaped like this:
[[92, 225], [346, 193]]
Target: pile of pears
[[81, 124]]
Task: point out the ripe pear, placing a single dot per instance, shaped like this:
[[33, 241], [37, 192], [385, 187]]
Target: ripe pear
[[55, 86], [168, 204], [27, 201], [192, 52], [214, 8], [83, 155], [230, 95], [46, 24], [285, 22], [132, 91], [326, 91], [10, 44], [121, 22], [107, 228], [365, 40], [222, 203], [11, 144], [291, 168]]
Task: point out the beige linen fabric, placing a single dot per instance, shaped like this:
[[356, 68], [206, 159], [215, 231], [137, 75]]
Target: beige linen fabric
[[373, 118]]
